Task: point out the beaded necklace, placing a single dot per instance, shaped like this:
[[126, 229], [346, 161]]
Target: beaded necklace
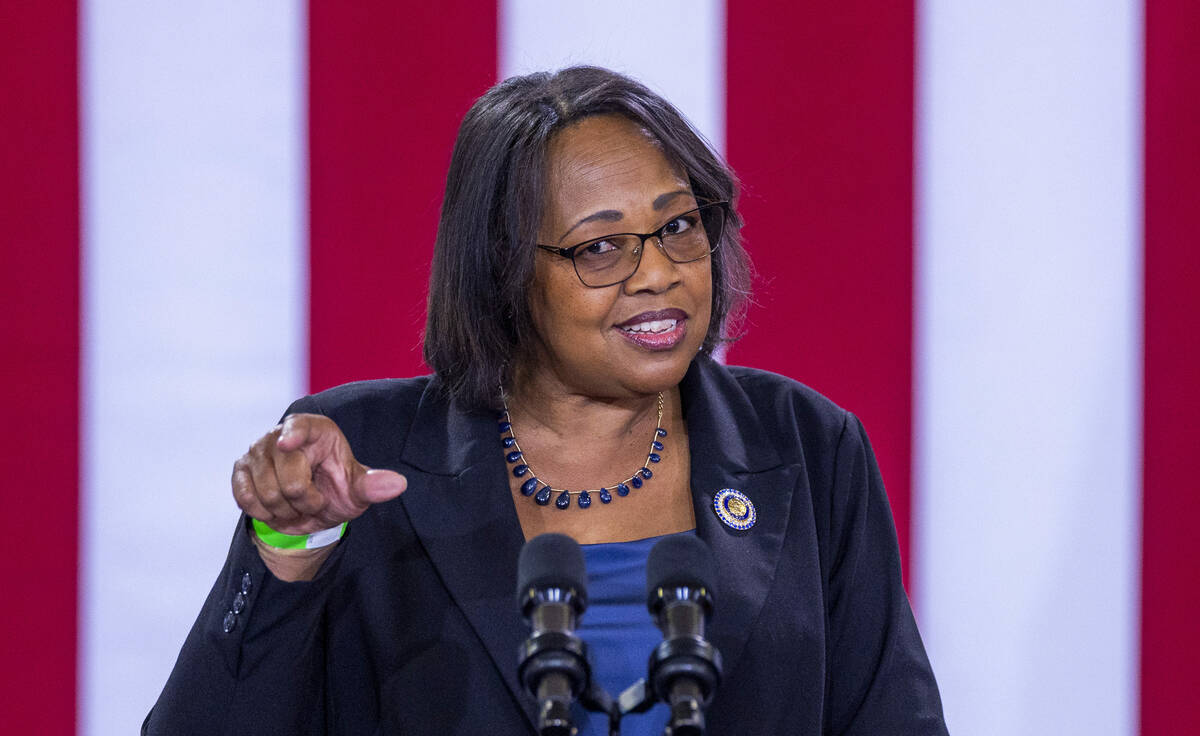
[[521, 468]]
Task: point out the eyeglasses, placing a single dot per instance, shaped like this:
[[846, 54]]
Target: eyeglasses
[[612, 259]]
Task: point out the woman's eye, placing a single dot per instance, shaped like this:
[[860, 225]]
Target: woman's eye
[[679, 225], [599, 247]]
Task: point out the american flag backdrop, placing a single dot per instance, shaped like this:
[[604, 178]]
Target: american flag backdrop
[[975, 224]]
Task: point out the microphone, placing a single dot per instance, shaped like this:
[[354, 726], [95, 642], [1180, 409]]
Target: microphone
[[685, 668], [552, 594]]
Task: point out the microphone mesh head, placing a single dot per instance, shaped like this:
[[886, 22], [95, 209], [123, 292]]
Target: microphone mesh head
[[681, 560], [551, 561]]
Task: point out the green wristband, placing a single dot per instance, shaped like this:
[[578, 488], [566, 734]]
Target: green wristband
[[323, 538]]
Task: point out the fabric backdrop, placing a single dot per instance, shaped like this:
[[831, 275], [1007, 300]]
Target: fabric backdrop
[[974, 225]]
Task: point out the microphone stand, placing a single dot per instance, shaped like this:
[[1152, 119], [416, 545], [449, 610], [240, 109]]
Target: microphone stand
[[553, 663], [597, 700], [558, 663], [554, 669]]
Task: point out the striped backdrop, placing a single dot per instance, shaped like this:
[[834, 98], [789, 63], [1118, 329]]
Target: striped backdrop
[[975, 224]]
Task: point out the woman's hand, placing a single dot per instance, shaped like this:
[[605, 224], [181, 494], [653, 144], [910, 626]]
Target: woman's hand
[[301, 477]]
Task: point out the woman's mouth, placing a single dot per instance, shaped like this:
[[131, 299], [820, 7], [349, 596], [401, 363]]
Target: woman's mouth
[[655, 331], [658, 325]]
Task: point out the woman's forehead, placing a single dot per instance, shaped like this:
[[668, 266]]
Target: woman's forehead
[[607, 162]]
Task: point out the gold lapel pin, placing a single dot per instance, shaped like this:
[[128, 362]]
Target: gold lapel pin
[[734, 509]]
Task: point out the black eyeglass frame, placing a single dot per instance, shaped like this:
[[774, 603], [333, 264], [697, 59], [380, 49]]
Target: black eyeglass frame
[[569, 251]]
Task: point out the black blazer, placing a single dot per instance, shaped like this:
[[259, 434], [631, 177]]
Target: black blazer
[[411, 627]]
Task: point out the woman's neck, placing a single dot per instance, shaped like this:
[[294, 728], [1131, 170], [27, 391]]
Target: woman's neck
[[543, 404]]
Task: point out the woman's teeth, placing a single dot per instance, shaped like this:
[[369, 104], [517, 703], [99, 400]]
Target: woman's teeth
[[658, 325]]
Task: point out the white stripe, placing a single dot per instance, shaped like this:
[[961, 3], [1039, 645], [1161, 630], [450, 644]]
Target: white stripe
[[194, 271], [1028, 370], [675, 47]]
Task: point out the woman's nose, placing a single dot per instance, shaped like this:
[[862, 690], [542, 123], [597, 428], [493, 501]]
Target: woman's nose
[[656, 272]]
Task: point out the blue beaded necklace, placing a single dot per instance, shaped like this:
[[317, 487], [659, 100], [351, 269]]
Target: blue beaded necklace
[[521, 468]]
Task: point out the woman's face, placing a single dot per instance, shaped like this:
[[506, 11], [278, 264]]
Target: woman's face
[[634, 338]]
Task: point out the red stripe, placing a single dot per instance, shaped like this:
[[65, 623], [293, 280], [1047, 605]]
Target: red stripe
[[820, 129], [39, 192], [1170, 641], [389, 83]]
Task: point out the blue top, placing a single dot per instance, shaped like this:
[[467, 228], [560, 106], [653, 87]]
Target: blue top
[[619, 631]]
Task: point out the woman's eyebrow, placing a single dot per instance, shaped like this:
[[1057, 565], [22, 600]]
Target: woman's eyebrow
[[663, 200], [659, 202], [601, 216]]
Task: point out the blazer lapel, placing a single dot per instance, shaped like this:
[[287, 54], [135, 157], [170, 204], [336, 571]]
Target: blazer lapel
[[731, 449], [460, 508]]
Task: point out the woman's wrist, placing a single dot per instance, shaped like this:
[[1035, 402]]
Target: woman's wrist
[[293, 565], [279, 540]]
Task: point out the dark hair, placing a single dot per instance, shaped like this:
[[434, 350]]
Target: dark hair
[[478, 314]]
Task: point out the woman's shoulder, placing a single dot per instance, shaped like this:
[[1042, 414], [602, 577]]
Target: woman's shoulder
[[381, 394], [377, 411], [780, 399], [375, 390], [793, 418]]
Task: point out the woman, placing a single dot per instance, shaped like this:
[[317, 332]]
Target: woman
[[587, 264]]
